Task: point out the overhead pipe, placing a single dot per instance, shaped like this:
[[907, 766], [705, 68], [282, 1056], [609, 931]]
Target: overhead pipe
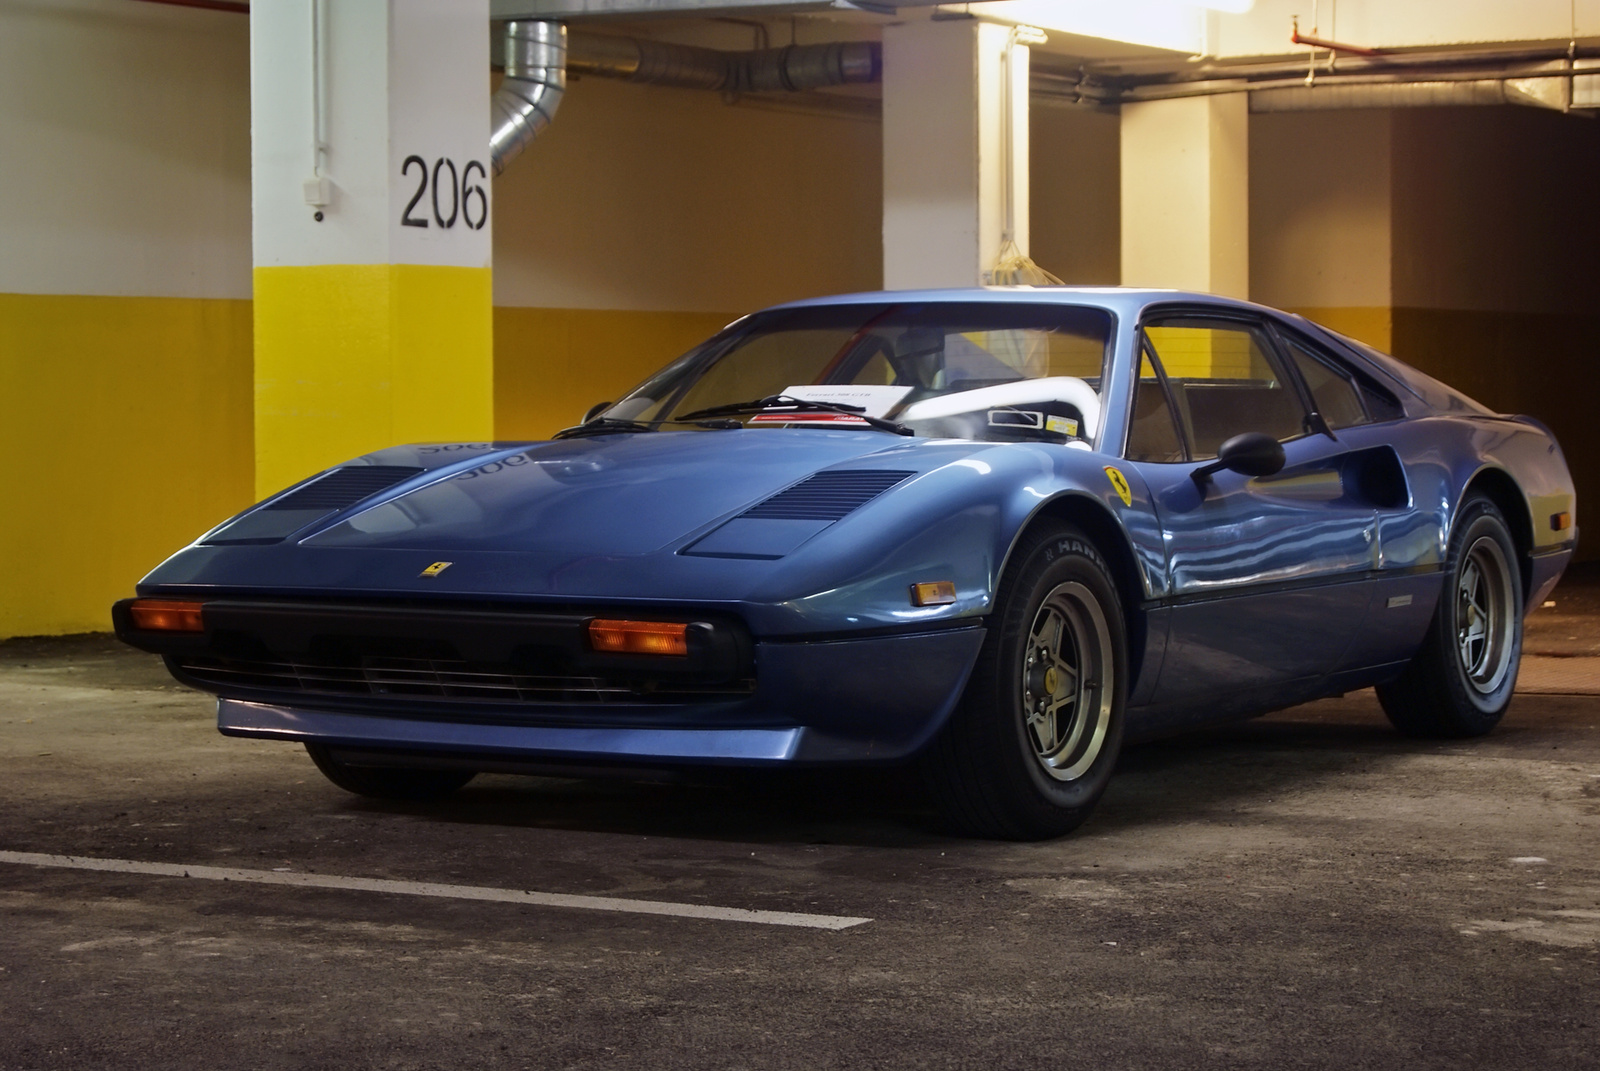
[[1128, 82], [539, 55], [1304, 98], [772, 70], [1375, 86], [535, 82]]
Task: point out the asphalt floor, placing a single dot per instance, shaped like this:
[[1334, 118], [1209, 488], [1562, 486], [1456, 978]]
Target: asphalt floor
[[1306, 890]]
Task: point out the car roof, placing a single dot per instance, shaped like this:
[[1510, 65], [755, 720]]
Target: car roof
[[1125, 301]]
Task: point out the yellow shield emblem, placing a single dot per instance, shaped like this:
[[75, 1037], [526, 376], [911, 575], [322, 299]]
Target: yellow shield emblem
[[1119, 483]]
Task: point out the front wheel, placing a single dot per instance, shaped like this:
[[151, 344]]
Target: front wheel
[[1031, 747], [387, 782], [1460, 682]]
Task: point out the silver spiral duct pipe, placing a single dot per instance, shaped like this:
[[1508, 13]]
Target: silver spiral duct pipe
[[773, 70], [536, 80]]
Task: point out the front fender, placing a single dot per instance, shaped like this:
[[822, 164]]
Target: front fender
[[959, 522]]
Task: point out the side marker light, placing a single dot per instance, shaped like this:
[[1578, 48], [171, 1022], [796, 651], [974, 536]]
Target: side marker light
[[933, 593], [167, 615], [1560, 522], [639, 637]]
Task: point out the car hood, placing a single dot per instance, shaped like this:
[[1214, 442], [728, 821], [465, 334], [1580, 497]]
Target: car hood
[[613, 496], [661, 518]]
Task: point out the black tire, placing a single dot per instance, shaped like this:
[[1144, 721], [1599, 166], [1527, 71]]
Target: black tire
[[387, 782], [1006, 765], [1462, 678]]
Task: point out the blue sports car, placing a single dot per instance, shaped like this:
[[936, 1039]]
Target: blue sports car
[[995, 533]]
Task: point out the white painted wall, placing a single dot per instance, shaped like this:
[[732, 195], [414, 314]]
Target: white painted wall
[[944, 148], [1185, 194], [1265, 28], [402, 77], [124, 150]]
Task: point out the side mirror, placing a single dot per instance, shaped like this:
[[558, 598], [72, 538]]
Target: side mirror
[[595, 410], [1252, 454]]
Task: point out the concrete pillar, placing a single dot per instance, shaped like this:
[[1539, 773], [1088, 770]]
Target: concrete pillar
[[373, 308], [944, 151], [1186, 194]]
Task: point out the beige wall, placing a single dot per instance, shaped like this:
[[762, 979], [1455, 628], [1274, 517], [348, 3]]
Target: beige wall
[[643, 197], [1459, 239], [645, 218], [1320, 215], [1076, 199], [1496, 209], [1495, 277]]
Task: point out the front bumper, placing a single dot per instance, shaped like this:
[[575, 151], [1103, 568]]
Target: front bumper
[[876, 699]]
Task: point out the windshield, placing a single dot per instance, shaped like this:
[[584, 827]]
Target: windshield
[[973, 370]]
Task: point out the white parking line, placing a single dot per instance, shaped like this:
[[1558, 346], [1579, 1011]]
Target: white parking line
[[427, 888]]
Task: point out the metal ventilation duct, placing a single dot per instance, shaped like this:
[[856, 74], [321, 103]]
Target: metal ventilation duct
[[536, 80], [772, 70], [538, 56], [1527, 91]]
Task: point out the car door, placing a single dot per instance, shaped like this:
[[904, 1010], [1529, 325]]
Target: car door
[[1268, 575]]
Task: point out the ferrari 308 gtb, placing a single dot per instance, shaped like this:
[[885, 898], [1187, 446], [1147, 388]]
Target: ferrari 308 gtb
[[995, 533]]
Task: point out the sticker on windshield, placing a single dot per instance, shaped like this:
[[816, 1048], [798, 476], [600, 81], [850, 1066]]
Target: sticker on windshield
[[1119, 483], [874, 401]]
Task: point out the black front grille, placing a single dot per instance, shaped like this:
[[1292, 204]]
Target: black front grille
[[345, 487], [828, 496], [439, 679]]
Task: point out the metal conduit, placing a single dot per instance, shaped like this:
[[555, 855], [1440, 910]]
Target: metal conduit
[[772, 70], [1394, 95], [538, 56], [536, 80]]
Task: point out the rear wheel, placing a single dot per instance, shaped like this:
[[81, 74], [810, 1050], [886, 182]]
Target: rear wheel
[[1461, 680], [1031, 747], [387, 782]]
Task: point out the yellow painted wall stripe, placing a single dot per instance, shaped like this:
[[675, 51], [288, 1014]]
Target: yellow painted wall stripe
[[1372, 324], [351, 358], [126, 432]]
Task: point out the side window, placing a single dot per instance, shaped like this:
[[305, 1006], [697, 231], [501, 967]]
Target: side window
[[1225, 380], [1153, 432], [1335, 394]]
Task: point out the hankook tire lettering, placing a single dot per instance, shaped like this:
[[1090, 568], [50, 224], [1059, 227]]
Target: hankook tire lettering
[[468, 199]]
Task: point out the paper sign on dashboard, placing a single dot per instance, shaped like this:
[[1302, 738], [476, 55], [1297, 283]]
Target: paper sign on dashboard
[[874, 400]]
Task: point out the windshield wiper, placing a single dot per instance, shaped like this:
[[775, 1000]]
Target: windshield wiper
[[601, 426], [609, 425], [757, 405]]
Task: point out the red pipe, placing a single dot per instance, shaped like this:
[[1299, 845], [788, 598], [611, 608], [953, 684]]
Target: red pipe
[[237, 7], [1332, 46]]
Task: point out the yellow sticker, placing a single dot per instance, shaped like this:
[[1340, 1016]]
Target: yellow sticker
[[1120, 483], [1061, 425], [435, 569]]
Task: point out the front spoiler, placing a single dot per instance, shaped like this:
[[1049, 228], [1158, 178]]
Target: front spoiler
[[837, 702], [530, 742]]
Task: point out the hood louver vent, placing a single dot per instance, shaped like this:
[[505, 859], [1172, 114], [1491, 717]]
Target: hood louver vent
[[827, 496], [345, 487]]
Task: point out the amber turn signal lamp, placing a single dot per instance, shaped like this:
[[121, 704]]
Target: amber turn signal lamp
[[1560, 522], [639, 637], [934, 593], [167, 615]]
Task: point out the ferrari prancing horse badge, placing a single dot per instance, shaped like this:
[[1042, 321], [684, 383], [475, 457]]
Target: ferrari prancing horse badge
[[1119, 483]]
